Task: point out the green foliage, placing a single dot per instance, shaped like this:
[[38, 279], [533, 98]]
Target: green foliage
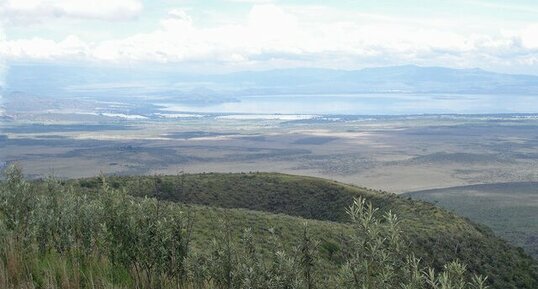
[[439, 237], [17, 204], [509, 209], [55, 235], [377, 258]]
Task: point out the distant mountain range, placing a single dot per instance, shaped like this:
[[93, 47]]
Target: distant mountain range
[[396, 79], [55, 79]]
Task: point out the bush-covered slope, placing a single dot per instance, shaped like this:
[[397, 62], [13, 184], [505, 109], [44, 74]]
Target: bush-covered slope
[[53, 235], [436, 236], [509, 209]]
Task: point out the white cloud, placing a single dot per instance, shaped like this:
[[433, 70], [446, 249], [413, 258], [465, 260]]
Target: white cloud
[[504, 7], [282, 36], [252, 1], [3, 68], [38, 48], [529, 36], [28, 11]]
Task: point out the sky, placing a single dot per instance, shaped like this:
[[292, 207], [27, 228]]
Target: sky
[[231, 35]]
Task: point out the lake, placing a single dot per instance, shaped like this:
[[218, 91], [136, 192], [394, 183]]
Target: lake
[[364, 104]]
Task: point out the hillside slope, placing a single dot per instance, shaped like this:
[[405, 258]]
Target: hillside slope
[[436, 236], [509, 209]]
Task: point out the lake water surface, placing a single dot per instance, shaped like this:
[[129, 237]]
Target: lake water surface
[[368, 104]]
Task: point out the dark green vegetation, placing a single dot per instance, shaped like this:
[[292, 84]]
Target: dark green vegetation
[[437, 236], [90, 233], [509, 209]]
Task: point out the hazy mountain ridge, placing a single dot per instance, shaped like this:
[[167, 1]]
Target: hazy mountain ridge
[[166, 80], [403, 79]]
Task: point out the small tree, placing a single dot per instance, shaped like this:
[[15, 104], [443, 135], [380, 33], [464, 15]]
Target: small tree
[[308, 250], [377, 259], [18, 201]]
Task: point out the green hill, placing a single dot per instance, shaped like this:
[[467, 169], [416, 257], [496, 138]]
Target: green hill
[[436, 236], [193, 232], [509, 209]]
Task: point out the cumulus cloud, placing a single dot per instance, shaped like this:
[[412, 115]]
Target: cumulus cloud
[[283, 36], [2, 56], [529, 36], [45, 49], [27, 11], [3, 69], [252, 1]]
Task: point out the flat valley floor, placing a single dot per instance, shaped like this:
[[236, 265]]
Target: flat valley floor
[[400, 154], [396, 154]]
